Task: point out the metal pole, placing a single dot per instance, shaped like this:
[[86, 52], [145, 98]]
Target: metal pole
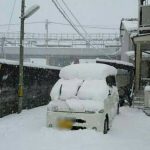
[[138, 61], [46, 28], [139, 15], [2, 47], [20, 88]]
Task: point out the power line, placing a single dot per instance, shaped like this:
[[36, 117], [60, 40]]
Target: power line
[[68, 19], [74, 16], [71, 23], [13, 8], [79, 24], [61, 23]]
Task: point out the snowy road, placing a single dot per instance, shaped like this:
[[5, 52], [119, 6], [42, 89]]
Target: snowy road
[[27, 131]]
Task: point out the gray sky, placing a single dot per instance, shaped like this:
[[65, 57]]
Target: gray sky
[[103, 13]]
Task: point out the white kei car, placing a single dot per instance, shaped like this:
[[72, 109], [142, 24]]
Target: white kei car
[[85, 97]]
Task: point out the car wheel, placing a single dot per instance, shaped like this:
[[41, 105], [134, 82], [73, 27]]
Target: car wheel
[[105, 126], [118, 109]]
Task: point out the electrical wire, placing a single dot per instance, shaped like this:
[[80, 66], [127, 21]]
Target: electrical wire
[[3, 38], [79, 24], [13, 8], [74, 16], [61, 23], [68, 19]]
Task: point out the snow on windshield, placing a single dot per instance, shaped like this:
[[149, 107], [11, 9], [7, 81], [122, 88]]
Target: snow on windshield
[[93, 90], [79, 89]]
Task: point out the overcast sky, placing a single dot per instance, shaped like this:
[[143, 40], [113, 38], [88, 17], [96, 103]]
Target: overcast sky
[[103, 13]]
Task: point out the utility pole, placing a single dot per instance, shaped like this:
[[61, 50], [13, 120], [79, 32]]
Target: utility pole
[[46, 28], [2, 47], [20, 88], [24, 15]]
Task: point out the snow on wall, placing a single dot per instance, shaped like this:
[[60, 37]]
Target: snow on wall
[[132, 54], [87, 61], [29, 64], [116, 61], [87, 71]]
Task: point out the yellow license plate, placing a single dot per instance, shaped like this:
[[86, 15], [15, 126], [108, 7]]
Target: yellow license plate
[[65, 124]]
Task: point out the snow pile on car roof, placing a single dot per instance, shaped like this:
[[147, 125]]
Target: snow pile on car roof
[[87, 71]]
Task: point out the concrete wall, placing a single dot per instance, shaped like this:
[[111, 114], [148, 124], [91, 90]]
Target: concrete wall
[[127, 45], [59, 56], [145, 69], [59, 51]]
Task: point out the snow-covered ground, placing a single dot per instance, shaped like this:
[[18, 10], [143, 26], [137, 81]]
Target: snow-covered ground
[[28, 131]]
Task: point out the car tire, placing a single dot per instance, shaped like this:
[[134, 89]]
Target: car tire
[[118, 106], [105, 126]]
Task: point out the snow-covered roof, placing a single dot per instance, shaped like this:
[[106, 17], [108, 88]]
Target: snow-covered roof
[[28, 64], [87, 71], [130, 25], [116, 62], [131, 54], [133, 34]]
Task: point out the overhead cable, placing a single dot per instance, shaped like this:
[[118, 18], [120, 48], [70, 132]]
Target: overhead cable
[[79, 24], [61, 23], [68, 19], [13, 8]]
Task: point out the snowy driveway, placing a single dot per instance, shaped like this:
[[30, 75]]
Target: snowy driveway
[[27, 131]]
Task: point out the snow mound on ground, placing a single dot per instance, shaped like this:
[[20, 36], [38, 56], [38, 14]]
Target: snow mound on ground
[[28, 131], [87, 71]]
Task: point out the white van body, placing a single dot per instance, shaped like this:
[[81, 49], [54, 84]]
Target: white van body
[[84, 95]]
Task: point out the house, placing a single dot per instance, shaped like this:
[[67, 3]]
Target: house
[[135, 46], [142, 45], [128, 28]]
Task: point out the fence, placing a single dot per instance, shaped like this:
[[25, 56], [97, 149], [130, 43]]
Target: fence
[[37, 85]]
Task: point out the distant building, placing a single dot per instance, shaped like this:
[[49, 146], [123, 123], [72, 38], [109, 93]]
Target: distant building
[[128, 29], [61, 49]]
